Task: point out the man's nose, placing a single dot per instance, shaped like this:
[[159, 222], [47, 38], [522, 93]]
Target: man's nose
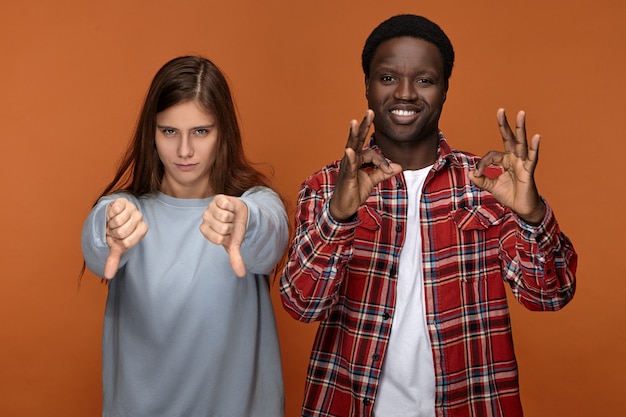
[[406, 90]]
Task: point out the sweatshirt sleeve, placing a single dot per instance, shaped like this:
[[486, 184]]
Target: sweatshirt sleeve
[[267, 230]]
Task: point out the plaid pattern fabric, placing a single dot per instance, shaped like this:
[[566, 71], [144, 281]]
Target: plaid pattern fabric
[[344, 275]]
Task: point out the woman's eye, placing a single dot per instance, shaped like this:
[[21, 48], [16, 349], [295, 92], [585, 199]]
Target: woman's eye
[[168, 132], [202, 132]]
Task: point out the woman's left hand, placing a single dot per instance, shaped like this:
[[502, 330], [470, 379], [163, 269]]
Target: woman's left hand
[[224, 223]]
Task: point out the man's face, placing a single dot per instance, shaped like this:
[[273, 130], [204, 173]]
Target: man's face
[[406, 90]]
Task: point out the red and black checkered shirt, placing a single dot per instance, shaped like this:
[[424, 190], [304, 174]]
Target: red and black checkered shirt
[[344, 275]]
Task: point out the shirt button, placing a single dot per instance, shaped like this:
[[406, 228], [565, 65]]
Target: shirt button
[[366, 401], [398, 228], [386, 316], [376, 356]]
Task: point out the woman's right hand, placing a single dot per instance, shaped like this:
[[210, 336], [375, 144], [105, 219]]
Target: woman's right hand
[[124, 229]]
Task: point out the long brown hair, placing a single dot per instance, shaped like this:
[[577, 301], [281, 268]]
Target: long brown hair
[[184, 79]]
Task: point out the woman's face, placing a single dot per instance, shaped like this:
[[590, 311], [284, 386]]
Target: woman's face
[[186, 136]]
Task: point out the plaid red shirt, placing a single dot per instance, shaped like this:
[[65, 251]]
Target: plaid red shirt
[[344, 275]]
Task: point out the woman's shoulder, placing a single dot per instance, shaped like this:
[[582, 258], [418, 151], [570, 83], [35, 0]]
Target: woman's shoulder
[[259, 191]]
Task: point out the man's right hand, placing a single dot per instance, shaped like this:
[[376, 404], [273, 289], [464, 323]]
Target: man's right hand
[[360, 171], [124, 229]]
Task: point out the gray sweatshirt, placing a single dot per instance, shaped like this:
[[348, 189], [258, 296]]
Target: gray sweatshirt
[[183, 336]]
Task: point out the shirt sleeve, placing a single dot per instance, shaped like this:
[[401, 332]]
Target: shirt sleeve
[[540, 264], [267, 230], [318, 258]]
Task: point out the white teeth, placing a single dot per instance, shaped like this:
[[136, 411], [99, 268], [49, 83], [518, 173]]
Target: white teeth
[[403, 112]]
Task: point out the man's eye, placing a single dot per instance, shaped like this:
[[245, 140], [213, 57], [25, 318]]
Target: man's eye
[[424, 81], [386, 78]]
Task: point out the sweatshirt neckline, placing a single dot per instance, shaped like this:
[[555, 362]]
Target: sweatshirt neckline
[[183, 202]]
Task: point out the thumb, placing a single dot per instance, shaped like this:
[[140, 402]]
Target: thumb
[[236, 261], [113, 262], [234, 249]]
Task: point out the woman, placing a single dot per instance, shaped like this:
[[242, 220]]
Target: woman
[[186, 215]]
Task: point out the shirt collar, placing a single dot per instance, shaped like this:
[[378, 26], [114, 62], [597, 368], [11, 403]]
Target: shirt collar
[[445, 154]]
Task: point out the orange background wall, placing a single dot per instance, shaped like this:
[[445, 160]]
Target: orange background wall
[[72, 78]]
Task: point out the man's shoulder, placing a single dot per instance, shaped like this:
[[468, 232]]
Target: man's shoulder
[[323, 176], [454, 155], [459, 159]]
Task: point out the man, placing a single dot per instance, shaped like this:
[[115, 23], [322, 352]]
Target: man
[[403, 247]]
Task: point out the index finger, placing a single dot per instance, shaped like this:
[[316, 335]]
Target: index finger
[[223, 202], [115, 207]]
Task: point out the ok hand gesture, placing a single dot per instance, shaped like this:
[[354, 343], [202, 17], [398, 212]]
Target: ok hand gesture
[[124, 229], [515, 187], [224, 223], [360, 171]]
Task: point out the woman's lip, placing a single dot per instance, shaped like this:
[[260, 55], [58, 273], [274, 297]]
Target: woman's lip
[[185, 167]]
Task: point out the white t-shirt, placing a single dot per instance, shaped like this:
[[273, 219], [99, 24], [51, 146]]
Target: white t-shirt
[[407, 384]]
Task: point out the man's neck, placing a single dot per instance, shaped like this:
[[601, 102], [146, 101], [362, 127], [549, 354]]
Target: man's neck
[[410, 155]]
